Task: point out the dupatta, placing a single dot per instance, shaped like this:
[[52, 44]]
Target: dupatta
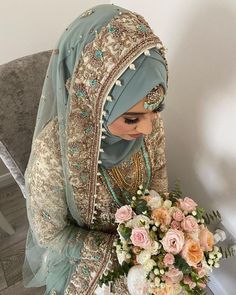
[[90, 57]]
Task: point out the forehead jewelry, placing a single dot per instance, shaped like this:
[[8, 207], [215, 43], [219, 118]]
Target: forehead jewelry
[[154, 98]]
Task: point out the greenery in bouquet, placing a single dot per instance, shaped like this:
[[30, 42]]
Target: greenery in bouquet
[[163, 245]]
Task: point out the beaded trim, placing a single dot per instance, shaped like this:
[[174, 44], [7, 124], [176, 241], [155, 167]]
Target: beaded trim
[[104, 62]]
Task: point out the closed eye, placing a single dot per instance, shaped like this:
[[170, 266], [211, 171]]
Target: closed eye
[[131, 121]]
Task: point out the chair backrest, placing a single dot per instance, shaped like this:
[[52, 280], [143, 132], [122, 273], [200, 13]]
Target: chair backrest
[[21, 82]]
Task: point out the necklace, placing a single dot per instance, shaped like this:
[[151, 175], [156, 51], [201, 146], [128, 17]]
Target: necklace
[[117, 175], [107, 177]]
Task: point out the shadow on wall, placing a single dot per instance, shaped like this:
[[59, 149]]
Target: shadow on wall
[[201, 115], [201, 145]]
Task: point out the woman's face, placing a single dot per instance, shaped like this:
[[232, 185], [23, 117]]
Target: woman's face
[[136, 122]]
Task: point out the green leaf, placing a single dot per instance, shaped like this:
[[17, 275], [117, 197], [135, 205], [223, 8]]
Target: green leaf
[[125, 231]]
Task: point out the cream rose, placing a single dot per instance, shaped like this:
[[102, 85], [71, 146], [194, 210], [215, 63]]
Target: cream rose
[[140, 237], [173, 241], [123, 214]]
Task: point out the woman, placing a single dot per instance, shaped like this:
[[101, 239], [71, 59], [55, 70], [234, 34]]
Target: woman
[[98, 136]]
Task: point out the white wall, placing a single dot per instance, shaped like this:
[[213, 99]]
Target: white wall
[[200, 117], [30, 26]]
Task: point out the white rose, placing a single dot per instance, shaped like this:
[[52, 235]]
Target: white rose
[[156, 201], [143, 256], [137, 220], [136, 281], [148, 265], [155, 248], [167, 204]]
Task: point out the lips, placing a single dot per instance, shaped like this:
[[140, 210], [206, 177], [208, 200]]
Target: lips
[[136, 135]]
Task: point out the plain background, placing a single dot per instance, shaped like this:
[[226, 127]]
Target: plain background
[[200, 115]]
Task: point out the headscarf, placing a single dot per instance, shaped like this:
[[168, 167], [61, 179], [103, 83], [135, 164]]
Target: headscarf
[[148, 71], [93, 54]]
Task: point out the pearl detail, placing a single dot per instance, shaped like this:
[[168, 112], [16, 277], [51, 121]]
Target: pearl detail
[[98, 174], [109, 98], [132, 67], [104, 113], [103, 137], [118, 83], [98, 184], [103, 130], [147, 52], [101, 150], [99, 162]]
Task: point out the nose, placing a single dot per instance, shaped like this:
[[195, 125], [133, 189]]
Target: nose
[[145, 126]]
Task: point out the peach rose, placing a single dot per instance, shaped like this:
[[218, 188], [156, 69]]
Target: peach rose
[[167, 290], [173, 241], [187, 204], [178, 215], [192, 252], [206, 239], [123, 214], [140, 238], [175, 275], [189, 224], [169, 259], [161, 215]]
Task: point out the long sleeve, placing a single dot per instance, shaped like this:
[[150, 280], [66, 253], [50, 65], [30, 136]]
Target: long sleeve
[[156, 147], [49, 216]]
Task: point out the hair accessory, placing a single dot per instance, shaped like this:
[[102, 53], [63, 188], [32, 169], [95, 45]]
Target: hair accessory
[[154, 98]]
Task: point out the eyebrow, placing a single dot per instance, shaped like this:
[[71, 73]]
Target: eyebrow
[[134, 113]]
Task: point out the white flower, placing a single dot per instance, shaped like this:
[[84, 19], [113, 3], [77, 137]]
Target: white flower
[[143, 256], [136, 281], [156, 201], [148, 265], [155, 248], [121, 255], [138, 221], [216, 265], [167, 204], [157, 281]]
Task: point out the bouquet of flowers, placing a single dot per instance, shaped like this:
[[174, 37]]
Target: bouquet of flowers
[[163, 246]]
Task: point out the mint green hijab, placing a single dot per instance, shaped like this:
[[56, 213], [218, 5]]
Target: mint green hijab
[[150, 71]]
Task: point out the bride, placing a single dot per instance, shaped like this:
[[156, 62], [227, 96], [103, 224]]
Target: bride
[[98, 136]]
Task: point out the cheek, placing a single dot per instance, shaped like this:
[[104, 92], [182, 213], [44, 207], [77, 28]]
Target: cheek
[[119, 127]]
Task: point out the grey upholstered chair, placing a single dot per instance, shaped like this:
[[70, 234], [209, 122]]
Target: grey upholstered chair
[[21, 83]]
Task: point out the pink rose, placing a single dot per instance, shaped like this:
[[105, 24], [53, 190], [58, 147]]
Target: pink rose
[[140, 238], [175, 275], [169, 259], [201, 285], [187, 204], [189, 224], [201, 272], [187, 280], [175, 224], [173, 241], [123, 214], [178, 215]]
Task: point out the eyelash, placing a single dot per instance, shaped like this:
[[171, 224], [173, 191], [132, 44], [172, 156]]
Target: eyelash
[[134, 121]]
